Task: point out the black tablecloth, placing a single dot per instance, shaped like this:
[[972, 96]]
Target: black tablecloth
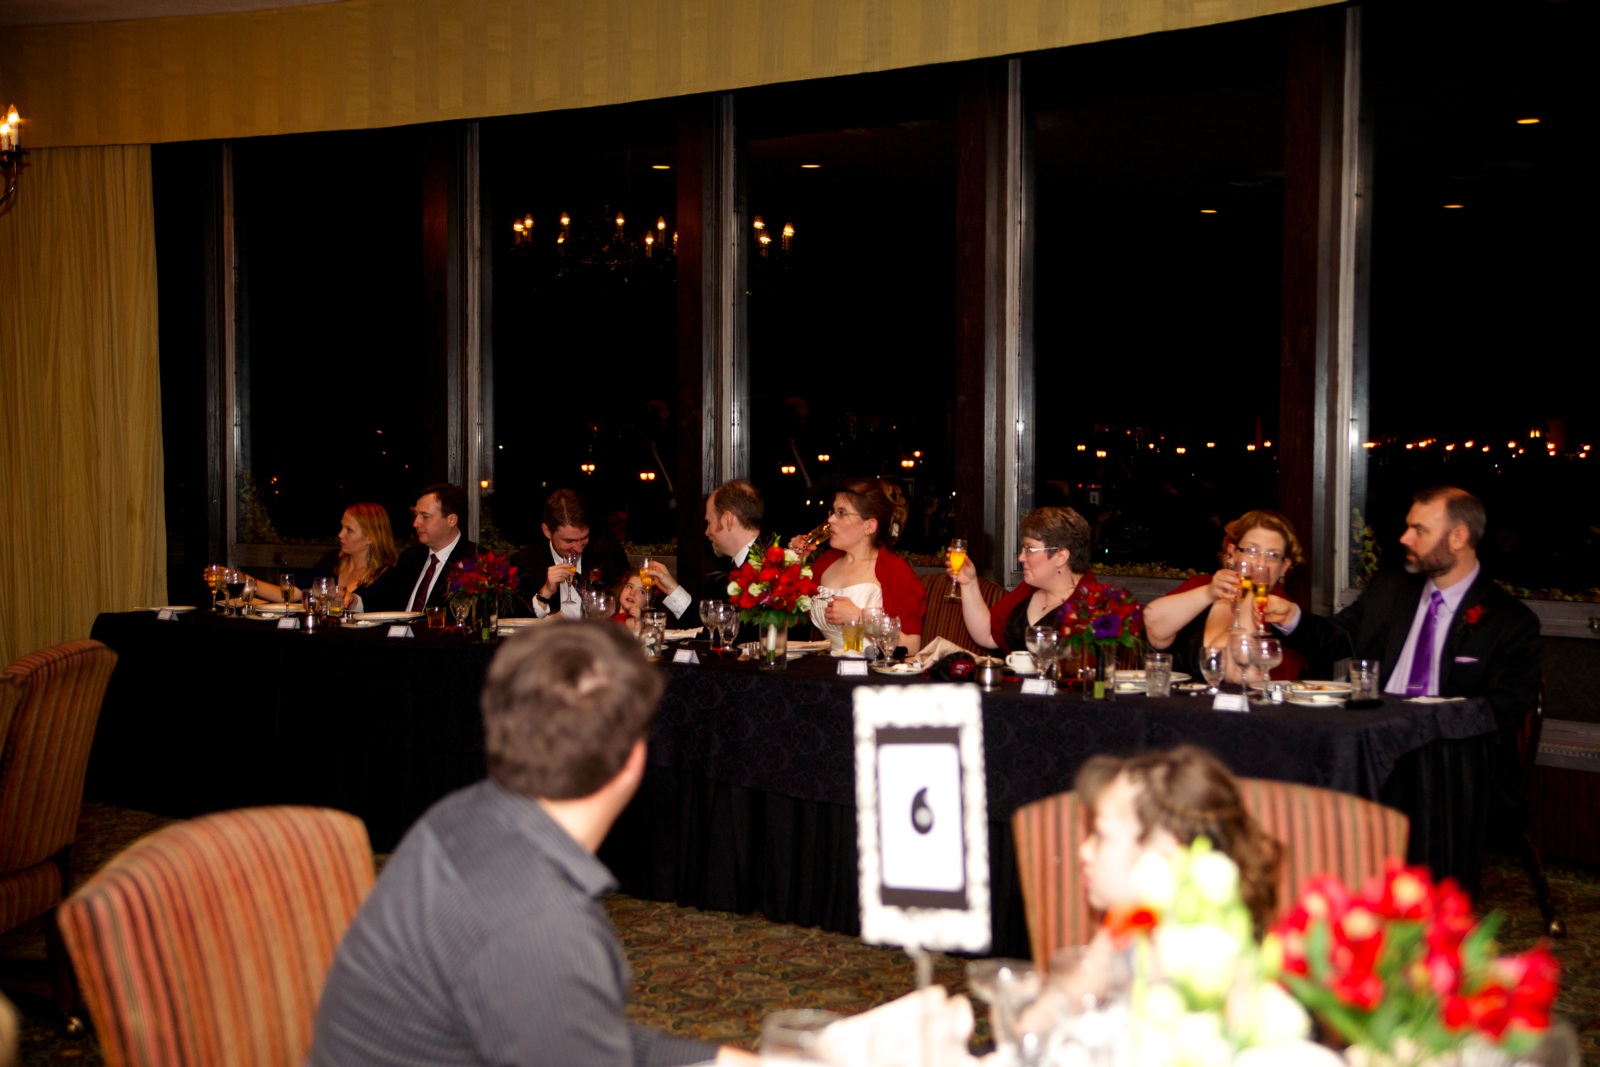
[[748, 803]]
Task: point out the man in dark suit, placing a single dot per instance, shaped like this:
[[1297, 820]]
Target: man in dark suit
[[1441, 628], [734, 511], [424, 567], [544, 566]]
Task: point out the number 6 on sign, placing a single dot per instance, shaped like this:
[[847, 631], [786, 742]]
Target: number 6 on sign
[[922, 824]]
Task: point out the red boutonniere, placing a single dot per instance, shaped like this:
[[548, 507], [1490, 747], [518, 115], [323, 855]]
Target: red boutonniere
[[1473, 614]]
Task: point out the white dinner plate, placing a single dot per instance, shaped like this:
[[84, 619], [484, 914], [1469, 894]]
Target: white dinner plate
[[359, 624], [1133, 681], [272, 607], [896, 668], [1316, 699], [386, 616], [1315, 686]]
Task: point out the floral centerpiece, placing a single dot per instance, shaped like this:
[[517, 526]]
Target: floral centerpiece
[[1404, 973], [773, 590], [1201, 994], [487, 582], [1101, 620]]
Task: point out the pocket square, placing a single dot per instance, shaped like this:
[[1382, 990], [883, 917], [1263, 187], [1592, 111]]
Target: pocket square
[[1466, 659]]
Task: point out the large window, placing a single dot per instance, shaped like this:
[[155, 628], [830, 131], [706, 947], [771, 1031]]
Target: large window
[[1481, 283], [580, 225], [1158, 286], [851, 292], [329, 354]]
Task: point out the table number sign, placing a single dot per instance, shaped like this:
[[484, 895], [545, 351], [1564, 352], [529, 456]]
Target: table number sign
[[852, 668], [922, 817], [686, 655], [400, 629], [166, 615], [1230, 702], [1039, 687], [289, 622]]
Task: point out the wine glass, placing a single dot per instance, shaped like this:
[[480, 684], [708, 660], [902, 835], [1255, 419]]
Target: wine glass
[[213, 577], [717, 615], [889, 628], [233, 582], [461, 607], [605, 603], [728, 622], [248, 594], [1213, 665], [1241, 649], [1042, 642], [958, 559], [872, 626], [1267, 654], [286, 587]]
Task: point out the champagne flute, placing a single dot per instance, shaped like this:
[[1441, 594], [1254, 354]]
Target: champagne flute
[[1213, 665], [647, 580], [248, 594], [816, 537], [958, 559], [286, 587]]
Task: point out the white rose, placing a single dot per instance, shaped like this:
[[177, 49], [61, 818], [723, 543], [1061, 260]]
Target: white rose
[[1202, 959], [1271, 1016], [1153, 1046], [790, 556], [1153, 881], [803, 604], [733, 589], [1216, 877], [1201, 1042]]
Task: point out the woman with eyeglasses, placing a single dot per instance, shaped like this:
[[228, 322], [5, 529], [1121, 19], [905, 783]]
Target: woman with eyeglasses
[[858, 571], [1054, 555], [1199, 613]]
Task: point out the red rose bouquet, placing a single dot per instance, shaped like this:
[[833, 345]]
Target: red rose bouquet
[[487, 579], [1404, 969], [772, 588]]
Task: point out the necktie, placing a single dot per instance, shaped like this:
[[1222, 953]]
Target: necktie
[[420, 601], [1422, 655]]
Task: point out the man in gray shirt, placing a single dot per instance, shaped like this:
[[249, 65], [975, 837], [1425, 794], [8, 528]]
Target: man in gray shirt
[[484, 941]]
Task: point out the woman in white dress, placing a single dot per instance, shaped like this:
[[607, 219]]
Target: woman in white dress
[[859, 569]]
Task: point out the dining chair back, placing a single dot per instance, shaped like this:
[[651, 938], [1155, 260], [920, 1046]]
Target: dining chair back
[[1529, 730], [49, 705], [942, 616], [1323, 832], [209, 941]]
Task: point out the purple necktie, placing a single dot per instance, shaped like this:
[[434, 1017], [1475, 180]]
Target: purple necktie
[[420, 601], [1422, 655]]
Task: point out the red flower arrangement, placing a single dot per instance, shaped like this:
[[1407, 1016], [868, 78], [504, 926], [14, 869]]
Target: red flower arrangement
[[1403, 967], [487, 578], [1098, 616], [772, 588], [1473, 614]]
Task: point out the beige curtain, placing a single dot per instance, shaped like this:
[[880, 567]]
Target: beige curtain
[[80, 405]]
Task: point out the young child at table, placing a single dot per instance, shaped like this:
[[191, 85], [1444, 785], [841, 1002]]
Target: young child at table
[[1160, 802]]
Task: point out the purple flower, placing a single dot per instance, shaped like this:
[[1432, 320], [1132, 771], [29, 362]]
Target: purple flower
[[1107, 627]]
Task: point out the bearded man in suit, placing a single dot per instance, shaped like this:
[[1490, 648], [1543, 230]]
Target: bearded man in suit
[[734, 511]]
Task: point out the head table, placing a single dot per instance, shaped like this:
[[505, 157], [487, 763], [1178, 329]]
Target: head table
[[749, 800]]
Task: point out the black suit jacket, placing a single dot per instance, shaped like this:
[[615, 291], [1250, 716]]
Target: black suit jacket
[[715, 587], [1496, 656], [411, 564], [604, 560]]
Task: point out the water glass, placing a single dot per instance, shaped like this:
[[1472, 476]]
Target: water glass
[[1010, 987], [1158, 674], [435, 616], [852, 632], [1213, 665], [889, 634], [324, 591], [1364, 675], [794, 1036], [1042, 644]]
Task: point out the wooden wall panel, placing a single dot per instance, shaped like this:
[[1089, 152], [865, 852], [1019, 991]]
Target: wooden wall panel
[[374, 63]]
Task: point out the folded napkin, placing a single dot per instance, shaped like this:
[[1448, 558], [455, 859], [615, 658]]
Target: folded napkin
[[683, 635], [808, 646], [892, 1034], [934, 651]]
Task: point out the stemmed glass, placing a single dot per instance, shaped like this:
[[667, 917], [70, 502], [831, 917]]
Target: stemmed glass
[[247, 595], [1043, 644], [1242, 648], [1213, 665], [461, 607], [605, 603], [889, 635], [958, 559], [233, 582], [647, 580], [286, 586], [872, 627], [728, 625], [717, 615], [213, 576], [1266, 654]]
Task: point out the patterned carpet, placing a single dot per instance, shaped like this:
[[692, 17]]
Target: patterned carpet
[[716, 975]]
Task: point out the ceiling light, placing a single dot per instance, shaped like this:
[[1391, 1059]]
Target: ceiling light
[[660, 166], [811, 166], [1454, 207], [1527, 122], [1208, 211]]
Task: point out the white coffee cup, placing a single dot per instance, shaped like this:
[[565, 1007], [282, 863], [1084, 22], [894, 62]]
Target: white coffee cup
[[1020, 661]]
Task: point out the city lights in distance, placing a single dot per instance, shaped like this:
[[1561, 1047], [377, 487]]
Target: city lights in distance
[[1083, 448], [916, 455], [483, 483], [1181, 450], [1266, 444], [1099, 453], [908, 463], [1211, 444], [1249, 448], [1373, 444]]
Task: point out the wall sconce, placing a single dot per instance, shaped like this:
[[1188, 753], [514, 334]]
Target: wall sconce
[[823, 457], [908, 463], [11, 153], [786, 469], [522, 232], [647, 476], [587, 468], [788, 235]]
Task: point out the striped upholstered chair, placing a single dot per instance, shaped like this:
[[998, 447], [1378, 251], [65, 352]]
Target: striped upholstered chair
[[942, 616], [1323, 832], [208, 942], [51, 701]]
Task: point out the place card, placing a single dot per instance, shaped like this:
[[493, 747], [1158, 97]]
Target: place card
[[1230, 702], [1039, 687], [852, 668], [289, 622], [922, 824], [166, 615], [400, 629], [686, 655]]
